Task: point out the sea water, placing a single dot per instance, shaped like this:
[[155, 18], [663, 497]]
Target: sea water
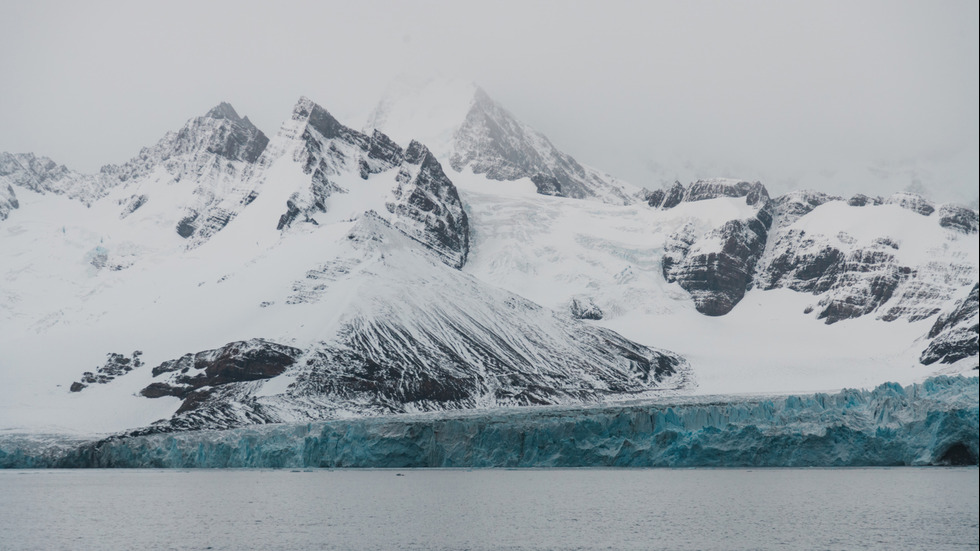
[[867, 508]]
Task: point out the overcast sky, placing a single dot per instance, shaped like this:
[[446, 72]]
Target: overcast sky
[[838, 96]]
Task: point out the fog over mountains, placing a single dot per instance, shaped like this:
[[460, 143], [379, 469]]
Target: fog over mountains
[[868, 97]]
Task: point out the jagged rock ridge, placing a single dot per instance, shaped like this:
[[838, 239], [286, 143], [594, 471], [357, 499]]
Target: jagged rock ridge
[[467, 127], [716, 268], [424, 202]]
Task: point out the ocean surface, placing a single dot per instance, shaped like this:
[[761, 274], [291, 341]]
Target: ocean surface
[[872, 508]]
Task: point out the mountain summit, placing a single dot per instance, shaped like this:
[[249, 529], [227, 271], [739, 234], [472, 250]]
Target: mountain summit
[[463, 124]]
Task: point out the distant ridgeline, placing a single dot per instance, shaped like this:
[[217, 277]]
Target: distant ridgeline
[[933, 423]]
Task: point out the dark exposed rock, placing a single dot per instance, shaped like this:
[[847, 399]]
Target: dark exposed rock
[[237, 361], [239, 139], [654, 198], [665, 198], [702, 190], [718, 280], [135, 202], [116, 365], [288, 217], [862, 280], [959, 218], [428, 207], [673, 196], [721, 269], [546, 184], [861, 200], [584, 309], [811, 272], [331, 149], [956, 334], [425, 202], [853, 279], [791, 207], [912, 202], [186, 227]]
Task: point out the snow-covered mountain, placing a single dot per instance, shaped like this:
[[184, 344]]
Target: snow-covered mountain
[[463, 125], [330, 287], [223, 278]]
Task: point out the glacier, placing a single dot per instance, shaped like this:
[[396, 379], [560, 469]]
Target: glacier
[[935, 422]]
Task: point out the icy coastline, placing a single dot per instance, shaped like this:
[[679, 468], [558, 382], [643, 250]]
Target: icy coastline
[[932, 423]]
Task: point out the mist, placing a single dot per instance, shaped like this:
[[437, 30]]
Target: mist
[[841, 97]]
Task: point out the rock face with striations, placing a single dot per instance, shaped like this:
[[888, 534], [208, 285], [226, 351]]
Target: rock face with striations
[[956, 334], [424, 203], [428, 208], [853, 274], [716, 267], [42, 175]]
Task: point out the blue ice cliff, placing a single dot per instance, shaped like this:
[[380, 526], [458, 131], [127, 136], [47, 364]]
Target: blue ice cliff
[[932, 423]]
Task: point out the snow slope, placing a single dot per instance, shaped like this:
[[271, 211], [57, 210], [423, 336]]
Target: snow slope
[[555, 250]]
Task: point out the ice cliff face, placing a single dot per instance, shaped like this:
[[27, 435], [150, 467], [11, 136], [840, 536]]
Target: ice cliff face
[[934, 423], [473, 132]]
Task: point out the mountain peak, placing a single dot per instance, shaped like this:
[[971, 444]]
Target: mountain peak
[[318, 118], [461, 123], [426, 109], [224, 110]]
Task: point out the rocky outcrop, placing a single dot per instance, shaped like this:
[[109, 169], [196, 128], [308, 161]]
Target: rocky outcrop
[[8, 201], [584, 309], [862, 200], [427, 207], [853, 277], [791, 207], [956, 334], [42, 175], [195, 378], [913, 202], [716, 268], [195, 150], [493, 142], [424, 203], [959, 218], [666, 198], [116, 365]]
